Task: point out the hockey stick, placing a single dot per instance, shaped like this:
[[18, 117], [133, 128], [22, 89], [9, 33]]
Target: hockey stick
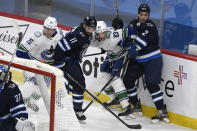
[[137, 126], [116, 7], [93, 54], [20, 36], [105, 86]]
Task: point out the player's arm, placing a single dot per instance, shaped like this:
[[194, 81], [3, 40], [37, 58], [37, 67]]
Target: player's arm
[[65, 44], [18, 109], [24, 48], [149, 33], [17, 106], [133, 42]]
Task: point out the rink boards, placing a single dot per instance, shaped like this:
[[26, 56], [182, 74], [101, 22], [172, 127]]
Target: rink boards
[[179, 77]]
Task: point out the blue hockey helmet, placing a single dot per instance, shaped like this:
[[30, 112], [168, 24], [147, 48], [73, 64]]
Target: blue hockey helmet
[[144, 8]]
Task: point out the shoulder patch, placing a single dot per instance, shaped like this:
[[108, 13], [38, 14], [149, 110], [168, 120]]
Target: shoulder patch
[[37, 33], [12, 86], [150, 24], [115, 34]]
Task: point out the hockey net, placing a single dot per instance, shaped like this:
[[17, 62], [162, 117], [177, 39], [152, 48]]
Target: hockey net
[[45, 96]]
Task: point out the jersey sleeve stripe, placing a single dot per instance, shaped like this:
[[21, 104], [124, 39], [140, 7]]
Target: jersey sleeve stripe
[[17, 107], [19, 113], [5, 116], [66, 44], [61, 46], [59, 65], [138, 39]]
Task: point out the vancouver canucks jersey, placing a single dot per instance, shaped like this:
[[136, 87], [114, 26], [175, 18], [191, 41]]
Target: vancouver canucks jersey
[[111, 44], [39, 47]]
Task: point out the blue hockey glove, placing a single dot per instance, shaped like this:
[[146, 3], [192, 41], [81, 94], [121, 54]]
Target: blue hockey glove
[[132, 50]]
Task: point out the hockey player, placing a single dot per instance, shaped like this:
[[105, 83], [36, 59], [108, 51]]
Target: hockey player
[[40, 46], [148, 62], [114, 42], [68, 55], [13, 113]]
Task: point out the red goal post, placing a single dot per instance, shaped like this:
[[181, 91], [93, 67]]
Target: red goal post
[[57, 102]]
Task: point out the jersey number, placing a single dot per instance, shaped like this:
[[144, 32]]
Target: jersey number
[[18, 97], [116, 34], [29, 41], [145, 32]]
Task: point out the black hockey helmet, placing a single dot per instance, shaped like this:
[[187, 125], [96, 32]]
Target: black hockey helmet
[[117, 23], [144, 8], [90, 21]]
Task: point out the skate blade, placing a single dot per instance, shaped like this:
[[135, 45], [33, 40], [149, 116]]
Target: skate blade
[[163, 121], [138, 113], [128, 117]]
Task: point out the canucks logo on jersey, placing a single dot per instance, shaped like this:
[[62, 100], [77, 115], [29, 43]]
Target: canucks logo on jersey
[[48, 54]]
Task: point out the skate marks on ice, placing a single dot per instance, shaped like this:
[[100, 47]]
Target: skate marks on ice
[[99, 119]]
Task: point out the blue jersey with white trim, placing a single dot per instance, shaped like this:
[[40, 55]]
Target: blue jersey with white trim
[[148, 32], [11, 102], [72, 46]]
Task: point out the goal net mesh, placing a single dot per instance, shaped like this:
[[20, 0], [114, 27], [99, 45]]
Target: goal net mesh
[[44, 94]]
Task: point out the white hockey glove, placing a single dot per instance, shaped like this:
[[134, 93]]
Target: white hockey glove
[[134, 37], [24, 125]]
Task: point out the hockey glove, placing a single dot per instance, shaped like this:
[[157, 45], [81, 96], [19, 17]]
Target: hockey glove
[[117, 23], [24, 125], [102, 51], [132, 50]]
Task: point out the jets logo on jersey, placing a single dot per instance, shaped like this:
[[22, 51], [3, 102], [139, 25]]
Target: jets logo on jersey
[[12, 86], [115, 34]]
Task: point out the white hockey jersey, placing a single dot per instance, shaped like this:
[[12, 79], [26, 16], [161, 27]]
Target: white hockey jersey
[[39, 47], [111, 43]]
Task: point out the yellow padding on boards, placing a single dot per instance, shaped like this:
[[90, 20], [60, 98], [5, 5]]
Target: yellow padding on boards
[[150, 111], [174, 118], [102, 97], [17, 76]]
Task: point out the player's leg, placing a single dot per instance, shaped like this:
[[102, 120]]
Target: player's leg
[[105, 75], [133, 72], [75, 71], [119, 87], [153, 70]]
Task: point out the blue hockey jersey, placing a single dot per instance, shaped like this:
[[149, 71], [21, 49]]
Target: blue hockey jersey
[[11, 102], [72, 46], [148, 32]]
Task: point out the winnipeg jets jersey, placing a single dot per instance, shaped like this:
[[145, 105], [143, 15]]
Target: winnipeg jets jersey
[[12, 104], [111, 44], [39, 47]]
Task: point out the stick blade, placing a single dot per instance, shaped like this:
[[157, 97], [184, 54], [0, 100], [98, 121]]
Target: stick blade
[[138, 126]]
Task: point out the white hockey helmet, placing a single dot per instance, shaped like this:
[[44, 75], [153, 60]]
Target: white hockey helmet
[[101, 27], [50, 22]]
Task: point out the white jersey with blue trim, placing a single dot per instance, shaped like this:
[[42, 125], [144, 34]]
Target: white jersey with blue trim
[[112, 42], [40, 47]]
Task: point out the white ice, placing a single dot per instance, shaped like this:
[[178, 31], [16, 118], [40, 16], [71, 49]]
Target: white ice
[[99, 119]]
